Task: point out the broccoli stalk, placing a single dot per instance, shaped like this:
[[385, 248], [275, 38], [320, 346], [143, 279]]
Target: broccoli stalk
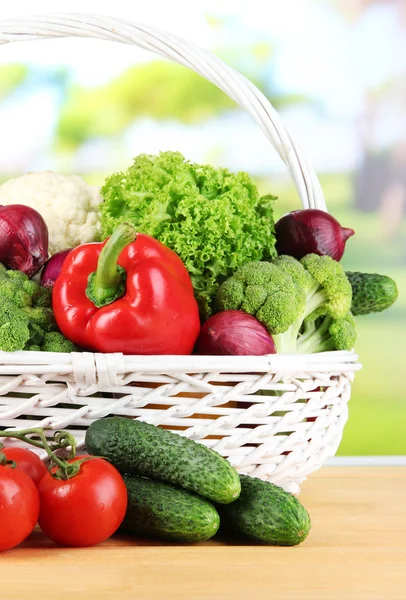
[[325, 334]]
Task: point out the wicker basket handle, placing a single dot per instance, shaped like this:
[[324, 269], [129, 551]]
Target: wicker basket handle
[[180, 50]]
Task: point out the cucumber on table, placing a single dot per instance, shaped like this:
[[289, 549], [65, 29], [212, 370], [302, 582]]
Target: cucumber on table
[[163, 511], [371, 292], [137, 448], [266, 514]]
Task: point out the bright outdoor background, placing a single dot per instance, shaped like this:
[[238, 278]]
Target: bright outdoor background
[[336, 71]]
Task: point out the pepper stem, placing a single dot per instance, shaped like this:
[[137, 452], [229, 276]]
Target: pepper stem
[[107, 283]]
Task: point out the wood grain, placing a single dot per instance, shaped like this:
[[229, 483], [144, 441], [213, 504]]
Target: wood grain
[[356, 551]]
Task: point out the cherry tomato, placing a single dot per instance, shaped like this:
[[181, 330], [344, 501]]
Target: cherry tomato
[[85, 509], [27, 461], [19, 507]]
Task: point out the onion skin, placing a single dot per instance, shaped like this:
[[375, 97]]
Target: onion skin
[[23, 239], [311, 231], [52, 268], [234, 333]]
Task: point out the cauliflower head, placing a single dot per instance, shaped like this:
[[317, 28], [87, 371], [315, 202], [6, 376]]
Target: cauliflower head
[[67, 203]]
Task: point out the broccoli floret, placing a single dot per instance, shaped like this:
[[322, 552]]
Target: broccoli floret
[[26, 313], [40, 296], [56, 342], [267, 292], [325, 334], [42, 318], [332, 293], [33, 347], [17, 276], [14, 327], [14, 293]]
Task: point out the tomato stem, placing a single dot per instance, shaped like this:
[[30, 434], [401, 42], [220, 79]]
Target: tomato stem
[[62, 440]]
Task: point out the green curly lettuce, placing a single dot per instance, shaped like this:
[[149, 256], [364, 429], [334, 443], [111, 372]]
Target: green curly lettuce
[[215, 220]]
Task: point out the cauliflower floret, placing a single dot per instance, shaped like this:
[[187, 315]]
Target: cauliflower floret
[[67, 203]]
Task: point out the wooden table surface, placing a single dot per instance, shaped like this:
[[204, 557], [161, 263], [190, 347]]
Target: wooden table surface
[[356, 550]]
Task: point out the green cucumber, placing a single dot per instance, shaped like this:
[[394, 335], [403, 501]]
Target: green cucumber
[[371, 292], [137, 448], [266, 514], [160, 510]]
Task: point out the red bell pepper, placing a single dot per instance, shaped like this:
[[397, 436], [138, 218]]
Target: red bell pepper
[[127, 296]]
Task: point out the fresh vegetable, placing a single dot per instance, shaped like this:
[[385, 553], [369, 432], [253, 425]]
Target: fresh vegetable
[[23, 238], [19, 506], [371, 292], [83, 499], [54, 341], [266, 291], [26, 461], [52, 268], [234, 332], [127, 296], [290, 297], [266, 514], [85, 509], [137, 448], [68, 205], [213, 219], [26, 317], [311, 231], [160, 510]]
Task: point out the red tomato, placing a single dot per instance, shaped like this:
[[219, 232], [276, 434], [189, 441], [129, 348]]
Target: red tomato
[[19, 507], [85, 509], [27, 461]]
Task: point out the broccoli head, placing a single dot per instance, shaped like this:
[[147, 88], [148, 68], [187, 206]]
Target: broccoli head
[[26, 318], [14, 327], [266, 291], [56, 342], [304, 304]]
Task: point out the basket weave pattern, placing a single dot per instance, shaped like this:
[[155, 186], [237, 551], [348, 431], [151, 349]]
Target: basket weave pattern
[[276, 417]]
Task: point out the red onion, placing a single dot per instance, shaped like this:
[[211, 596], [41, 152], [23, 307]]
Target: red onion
[[53, 267], [311, 231], [23, 238], [234, 332]]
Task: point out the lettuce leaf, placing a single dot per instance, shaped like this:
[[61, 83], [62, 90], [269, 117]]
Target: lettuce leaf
[[215, 220]]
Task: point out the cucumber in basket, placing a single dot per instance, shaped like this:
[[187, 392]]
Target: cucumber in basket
[[137, 448], [265, 514], [371, 292], [160, 510]]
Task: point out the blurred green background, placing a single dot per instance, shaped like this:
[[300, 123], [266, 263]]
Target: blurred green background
[[336, 74]]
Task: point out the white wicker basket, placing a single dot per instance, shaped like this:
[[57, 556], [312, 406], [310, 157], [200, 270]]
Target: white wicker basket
[[277, 417]]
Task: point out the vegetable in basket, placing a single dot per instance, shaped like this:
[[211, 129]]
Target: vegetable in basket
[[305, 305], [67, 203], [52, 268], [234, 332], [23, 239], [129, 294], [311, 231], [371, 292], [213, 219], [26, 318]]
